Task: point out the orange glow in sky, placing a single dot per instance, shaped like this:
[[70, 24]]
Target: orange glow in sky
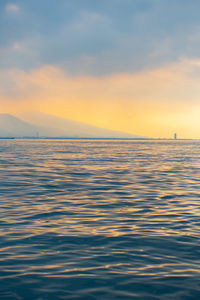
[[154, 103]]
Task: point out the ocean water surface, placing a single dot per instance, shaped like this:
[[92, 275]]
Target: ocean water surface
[[86, 219]]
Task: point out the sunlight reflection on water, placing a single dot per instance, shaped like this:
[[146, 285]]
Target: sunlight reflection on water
[[99, 219]]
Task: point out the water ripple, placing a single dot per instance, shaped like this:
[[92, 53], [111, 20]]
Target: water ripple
[[99, 219]]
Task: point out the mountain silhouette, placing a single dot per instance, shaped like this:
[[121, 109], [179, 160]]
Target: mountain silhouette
[[11, 126], [51, 126]]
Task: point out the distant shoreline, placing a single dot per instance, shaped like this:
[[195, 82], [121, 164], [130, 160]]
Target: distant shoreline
[[95, 138]]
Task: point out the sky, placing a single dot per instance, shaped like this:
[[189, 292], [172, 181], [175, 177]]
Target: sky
[[128, 65]]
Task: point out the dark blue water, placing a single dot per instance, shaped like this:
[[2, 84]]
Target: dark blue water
[[99, 219]]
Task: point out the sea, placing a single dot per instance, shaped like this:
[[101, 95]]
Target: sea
[[99, 219]]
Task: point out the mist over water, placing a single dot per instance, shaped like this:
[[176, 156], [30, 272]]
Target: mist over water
[[99, 219]]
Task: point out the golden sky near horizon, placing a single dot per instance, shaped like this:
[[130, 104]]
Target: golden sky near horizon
[[153, 103], [125, 65]]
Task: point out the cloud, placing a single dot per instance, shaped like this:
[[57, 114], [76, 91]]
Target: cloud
[[12, 8], [154, 102], [17, 47], [102, 37], [156, 83], [115, 63]]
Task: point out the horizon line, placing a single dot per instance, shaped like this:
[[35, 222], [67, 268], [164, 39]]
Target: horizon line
[[97, 138]]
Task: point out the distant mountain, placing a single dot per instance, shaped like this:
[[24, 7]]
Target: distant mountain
[[11, 126], [51, 126]]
